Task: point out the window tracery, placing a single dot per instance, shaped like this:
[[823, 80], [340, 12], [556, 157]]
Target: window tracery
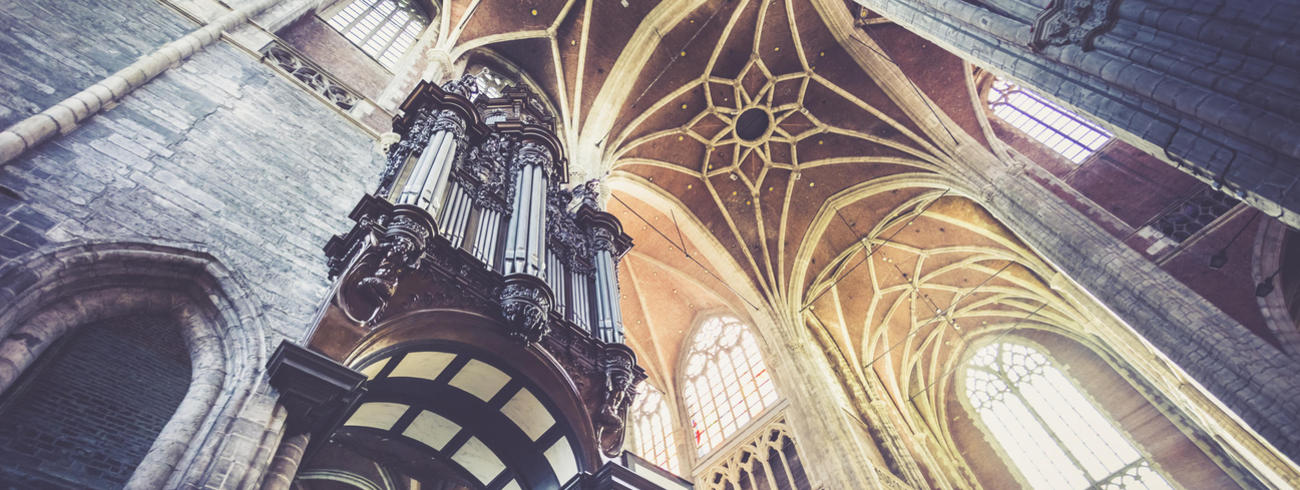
[[383, 29], [654, 429], [1064, 132], [726, 381], [1054, 435]]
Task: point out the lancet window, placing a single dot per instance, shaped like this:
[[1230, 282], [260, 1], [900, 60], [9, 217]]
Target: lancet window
[[1050, 432], [383, 29], [653, 423], [1065, 132], [726, 381]]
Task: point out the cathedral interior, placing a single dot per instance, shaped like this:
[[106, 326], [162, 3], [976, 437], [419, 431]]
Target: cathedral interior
[[642, 244]]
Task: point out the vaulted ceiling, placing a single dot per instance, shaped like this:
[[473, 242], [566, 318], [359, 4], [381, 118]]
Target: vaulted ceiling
[[825, 204]]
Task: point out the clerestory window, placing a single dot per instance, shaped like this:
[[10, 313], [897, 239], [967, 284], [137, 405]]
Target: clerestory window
[[653, 424], [726, 383], [1065, 132], [1051, 433], [383, 29]]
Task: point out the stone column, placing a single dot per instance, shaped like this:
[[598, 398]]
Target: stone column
[[427, 185], [1207, 85], [285, 465]]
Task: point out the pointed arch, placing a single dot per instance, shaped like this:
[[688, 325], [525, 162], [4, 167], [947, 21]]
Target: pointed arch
[[724, 381], [1049, 432]]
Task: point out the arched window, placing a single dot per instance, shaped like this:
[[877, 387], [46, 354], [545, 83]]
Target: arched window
[[654, 429], [1067, 134], [383, 29], [726, 382], [1053, 435]]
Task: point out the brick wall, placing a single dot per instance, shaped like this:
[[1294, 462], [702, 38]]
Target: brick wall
[[87, 413]]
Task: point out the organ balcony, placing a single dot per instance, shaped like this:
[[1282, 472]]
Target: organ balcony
[[472, 219]]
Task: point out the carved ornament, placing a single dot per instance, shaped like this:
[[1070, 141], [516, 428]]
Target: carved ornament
[[618, 366], [1079, 22], [526, 305]]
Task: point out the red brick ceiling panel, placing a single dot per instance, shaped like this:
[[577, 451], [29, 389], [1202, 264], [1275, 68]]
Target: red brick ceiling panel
[[610, 27], [662, 290], [776, 44], [568, 39], [730, 58], [668, 69], [502, 16], [940, 75], [534, 56]]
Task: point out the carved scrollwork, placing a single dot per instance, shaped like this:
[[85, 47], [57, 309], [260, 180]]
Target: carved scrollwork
[[526, 306], [617, 364], [1078, 22], [406, 232], [466, 86], [534, 153], [412, 143], [485, 172], [568, 240]]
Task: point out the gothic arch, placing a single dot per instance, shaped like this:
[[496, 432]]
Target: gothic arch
[[1273, 252], [63, 289], [1158, 431]]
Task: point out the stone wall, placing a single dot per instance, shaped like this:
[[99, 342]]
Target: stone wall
[[87, 414], [1200, 84], [52, 49], [218, 154]]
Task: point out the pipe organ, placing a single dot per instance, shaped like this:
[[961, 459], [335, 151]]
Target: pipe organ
[[476, 297]]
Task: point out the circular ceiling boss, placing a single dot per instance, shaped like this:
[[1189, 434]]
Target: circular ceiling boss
[[753, 125]]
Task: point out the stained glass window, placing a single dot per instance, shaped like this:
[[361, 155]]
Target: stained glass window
[[1067, 134], [726, 383], [1054, 435], [653, 424], [383, 29]]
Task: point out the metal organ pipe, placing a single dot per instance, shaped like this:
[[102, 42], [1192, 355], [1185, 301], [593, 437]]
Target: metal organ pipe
[[427, 186], [435, 186], [411, 191], [610, 320], [581, 305], [525, 242]]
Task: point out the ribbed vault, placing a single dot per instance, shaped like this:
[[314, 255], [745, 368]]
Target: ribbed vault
[[827, 205]]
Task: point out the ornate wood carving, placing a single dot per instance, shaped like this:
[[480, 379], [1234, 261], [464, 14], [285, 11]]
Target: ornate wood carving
[[394, 261], [1073, 22], [526, 305]]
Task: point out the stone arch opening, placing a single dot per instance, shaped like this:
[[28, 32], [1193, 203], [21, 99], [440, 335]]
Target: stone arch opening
[[61, 293], [86, 412]]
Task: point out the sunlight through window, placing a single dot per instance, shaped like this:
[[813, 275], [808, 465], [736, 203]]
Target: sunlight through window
[[1051, 432], [384, 29], [727, 383], [654, 429], [1063, 131]]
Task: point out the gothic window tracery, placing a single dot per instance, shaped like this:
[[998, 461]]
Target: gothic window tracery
[[1064, 132], [726, 381], [654, 429], [1047, 429], [383, 29]]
